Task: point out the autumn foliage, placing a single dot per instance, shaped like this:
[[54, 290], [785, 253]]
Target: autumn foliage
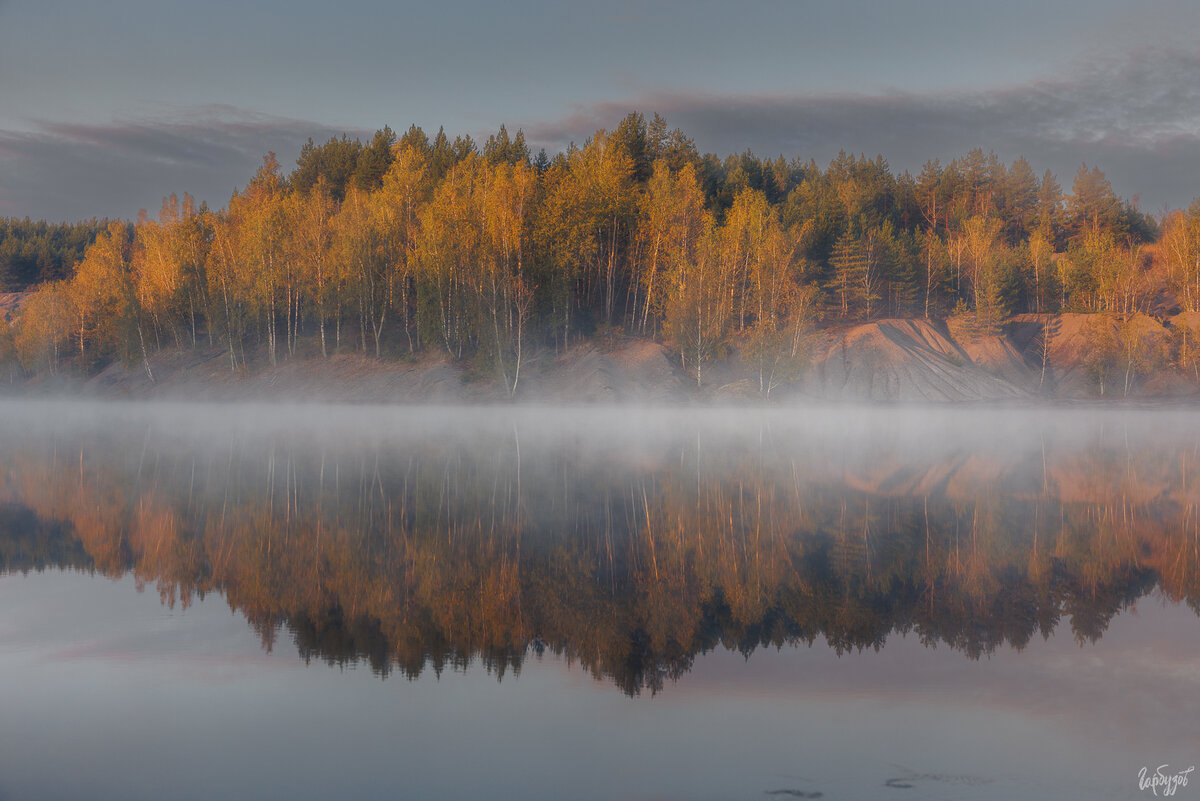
[[408, 245]]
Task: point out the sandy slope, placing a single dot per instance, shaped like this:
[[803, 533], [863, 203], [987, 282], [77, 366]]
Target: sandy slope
[[903, 360], [10, 304], [634, 371]]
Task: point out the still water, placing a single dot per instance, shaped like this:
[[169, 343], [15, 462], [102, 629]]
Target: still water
[[351, 602]]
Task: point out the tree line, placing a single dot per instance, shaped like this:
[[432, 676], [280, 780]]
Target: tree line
[[409, 244]]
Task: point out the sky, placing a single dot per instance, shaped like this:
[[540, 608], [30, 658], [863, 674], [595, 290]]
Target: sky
[[105, 108]]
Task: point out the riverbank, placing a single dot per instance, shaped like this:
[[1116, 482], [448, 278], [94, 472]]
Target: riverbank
[[1035, 358]]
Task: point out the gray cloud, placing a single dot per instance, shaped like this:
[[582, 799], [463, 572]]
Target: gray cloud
[[76, 171], [1137, 117]]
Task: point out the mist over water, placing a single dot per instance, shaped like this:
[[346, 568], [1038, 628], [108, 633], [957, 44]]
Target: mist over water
[[686, 527], [644, 546]]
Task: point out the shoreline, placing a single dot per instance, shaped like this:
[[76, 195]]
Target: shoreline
[[901, 361]]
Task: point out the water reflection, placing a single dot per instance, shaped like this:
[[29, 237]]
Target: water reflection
[[629, 543]]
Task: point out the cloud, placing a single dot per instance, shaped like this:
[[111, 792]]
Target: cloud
[[1137, 117], [75, 171]]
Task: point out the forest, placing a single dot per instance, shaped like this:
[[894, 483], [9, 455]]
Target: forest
[[407, 245]]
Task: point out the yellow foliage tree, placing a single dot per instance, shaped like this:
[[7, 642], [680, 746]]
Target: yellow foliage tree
[[44, 327], [1180, 246], [671, 221]]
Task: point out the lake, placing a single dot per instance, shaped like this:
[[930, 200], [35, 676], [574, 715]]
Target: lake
[[309, 602]]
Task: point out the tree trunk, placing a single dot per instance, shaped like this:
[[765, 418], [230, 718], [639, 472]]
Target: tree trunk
[[271, 332], [145, 356]]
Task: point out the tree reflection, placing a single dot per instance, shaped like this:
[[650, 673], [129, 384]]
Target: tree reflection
[[416, 552]]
